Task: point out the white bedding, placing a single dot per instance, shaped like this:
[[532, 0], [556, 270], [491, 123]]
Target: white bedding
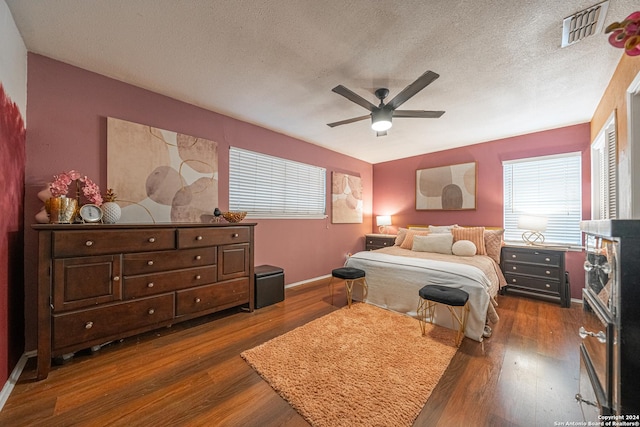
[[394, 281]]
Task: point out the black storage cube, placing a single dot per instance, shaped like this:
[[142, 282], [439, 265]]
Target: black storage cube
[[269, 285]]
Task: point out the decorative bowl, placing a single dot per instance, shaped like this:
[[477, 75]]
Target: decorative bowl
[[234, 216]]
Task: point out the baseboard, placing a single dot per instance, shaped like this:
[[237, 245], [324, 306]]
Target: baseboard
[[13, 378], [315, 279]]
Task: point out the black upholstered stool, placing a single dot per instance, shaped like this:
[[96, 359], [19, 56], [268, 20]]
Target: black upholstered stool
[[350, 276], [431, 295]]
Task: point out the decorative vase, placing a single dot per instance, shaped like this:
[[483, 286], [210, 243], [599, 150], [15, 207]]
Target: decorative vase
[[62, 210], [111, 212]]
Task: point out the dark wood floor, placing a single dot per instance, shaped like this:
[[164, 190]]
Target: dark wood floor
[[192, 374]]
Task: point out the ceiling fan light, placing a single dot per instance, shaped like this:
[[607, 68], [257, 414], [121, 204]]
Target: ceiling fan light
[[381, 120]]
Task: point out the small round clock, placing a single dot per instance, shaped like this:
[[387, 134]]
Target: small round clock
[[91, 213]]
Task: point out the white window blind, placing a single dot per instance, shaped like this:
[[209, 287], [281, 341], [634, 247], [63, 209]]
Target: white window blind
[[549, 186], [604, 173], [270, 187]]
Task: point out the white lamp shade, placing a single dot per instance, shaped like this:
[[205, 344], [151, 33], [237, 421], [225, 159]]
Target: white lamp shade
[[383, 220], [381, 120], [532, 222]]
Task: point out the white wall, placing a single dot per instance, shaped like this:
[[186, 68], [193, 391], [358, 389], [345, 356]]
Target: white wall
[[13, 60]]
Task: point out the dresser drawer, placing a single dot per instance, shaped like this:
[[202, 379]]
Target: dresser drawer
[[513, 280], [531, 256], [100, 242], [102, 323], [552, 272], [200, 237], [151, 284], [217, 296], [149, 262]]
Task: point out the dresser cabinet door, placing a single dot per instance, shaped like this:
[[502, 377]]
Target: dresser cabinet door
[[86, 282], [233, 261]]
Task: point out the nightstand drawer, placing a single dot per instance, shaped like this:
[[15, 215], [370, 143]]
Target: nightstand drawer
[[551, 272], [532, 283], [377, 241], [531, 255]]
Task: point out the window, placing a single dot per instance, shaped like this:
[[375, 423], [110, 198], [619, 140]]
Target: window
[[549, 186], [604, 202], [270, 187]]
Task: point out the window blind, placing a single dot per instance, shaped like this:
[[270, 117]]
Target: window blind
[[549, 186], [270, 187]]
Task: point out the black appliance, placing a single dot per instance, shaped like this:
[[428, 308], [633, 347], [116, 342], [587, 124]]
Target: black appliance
[[610, 350]]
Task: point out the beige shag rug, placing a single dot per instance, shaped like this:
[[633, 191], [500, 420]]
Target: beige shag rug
[[361, 366]]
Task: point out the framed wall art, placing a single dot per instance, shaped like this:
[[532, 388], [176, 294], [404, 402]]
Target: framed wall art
[[159, 175], [346, 198], [447, 187]]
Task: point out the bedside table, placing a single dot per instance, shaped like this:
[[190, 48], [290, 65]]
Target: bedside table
[[377, 241], [536, 271]]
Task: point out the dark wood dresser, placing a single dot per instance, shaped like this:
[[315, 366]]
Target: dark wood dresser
[[377, 241], [98, 283], [536, 272]]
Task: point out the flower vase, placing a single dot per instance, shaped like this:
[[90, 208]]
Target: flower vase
[[111, 212], [62, 210]]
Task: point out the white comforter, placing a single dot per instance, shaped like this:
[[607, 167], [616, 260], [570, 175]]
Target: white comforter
[[394, 282]]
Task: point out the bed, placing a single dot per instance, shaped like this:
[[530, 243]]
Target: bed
[[395, 275]]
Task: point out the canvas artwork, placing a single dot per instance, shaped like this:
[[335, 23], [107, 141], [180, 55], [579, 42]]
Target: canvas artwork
[[159, 175], [346, 198], [446, 187]]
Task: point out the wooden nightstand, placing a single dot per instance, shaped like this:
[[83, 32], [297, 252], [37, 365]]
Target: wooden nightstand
[[536, 272], [377, 241]]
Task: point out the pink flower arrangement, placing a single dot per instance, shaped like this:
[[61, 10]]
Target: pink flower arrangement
[[60, 186], [626, 34]]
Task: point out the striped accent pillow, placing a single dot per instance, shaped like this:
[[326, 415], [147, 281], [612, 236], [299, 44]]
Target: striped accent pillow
[[407, 243], [474, 234]]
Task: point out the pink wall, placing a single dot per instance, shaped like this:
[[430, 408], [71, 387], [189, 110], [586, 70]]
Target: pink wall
[[67, 109], [394, 182], [12, 160]]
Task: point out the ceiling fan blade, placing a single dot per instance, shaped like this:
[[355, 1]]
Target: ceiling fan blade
[[354, 97], [383, 133], [418, 114], [344, 122], [415, 87]]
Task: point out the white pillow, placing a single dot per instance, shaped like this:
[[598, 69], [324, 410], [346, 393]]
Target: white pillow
[[464, 248], [438, 243], [441, 228]]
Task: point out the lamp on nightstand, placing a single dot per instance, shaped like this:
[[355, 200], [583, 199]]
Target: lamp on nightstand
[[533, 225], [382, 221]]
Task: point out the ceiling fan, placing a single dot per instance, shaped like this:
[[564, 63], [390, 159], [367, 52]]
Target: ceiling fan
[[382, 114]]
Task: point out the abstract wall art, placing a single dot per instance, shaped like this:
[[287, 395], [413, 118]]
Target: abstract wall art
[[159, 175], [346, 198], [446, 187]]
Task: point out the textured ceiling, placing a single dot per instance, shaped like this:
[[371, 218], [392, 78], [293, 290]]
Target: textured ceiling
[[274, 63]]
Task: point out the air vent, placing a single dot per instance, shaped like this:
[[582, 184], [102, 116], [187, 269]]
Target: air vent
[[584, 24]]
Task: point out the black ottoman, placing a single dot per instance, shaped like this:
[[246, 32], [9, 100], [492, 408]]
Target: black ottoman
[[431, 295], [350, 276]]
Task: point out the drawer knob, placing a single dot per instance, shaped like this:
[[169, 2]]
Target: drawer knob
[[197, 300], [548, 272], [198, 257], [152, 239], [548, 259], [235, 235], [513, 256], [150, 285], [600, 336], [89, 243], [116, 278], [149, 262], [546, 285], [198, 277], [151, 311], [513, 280], [88, 325], [199, 238], [514, 267]]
